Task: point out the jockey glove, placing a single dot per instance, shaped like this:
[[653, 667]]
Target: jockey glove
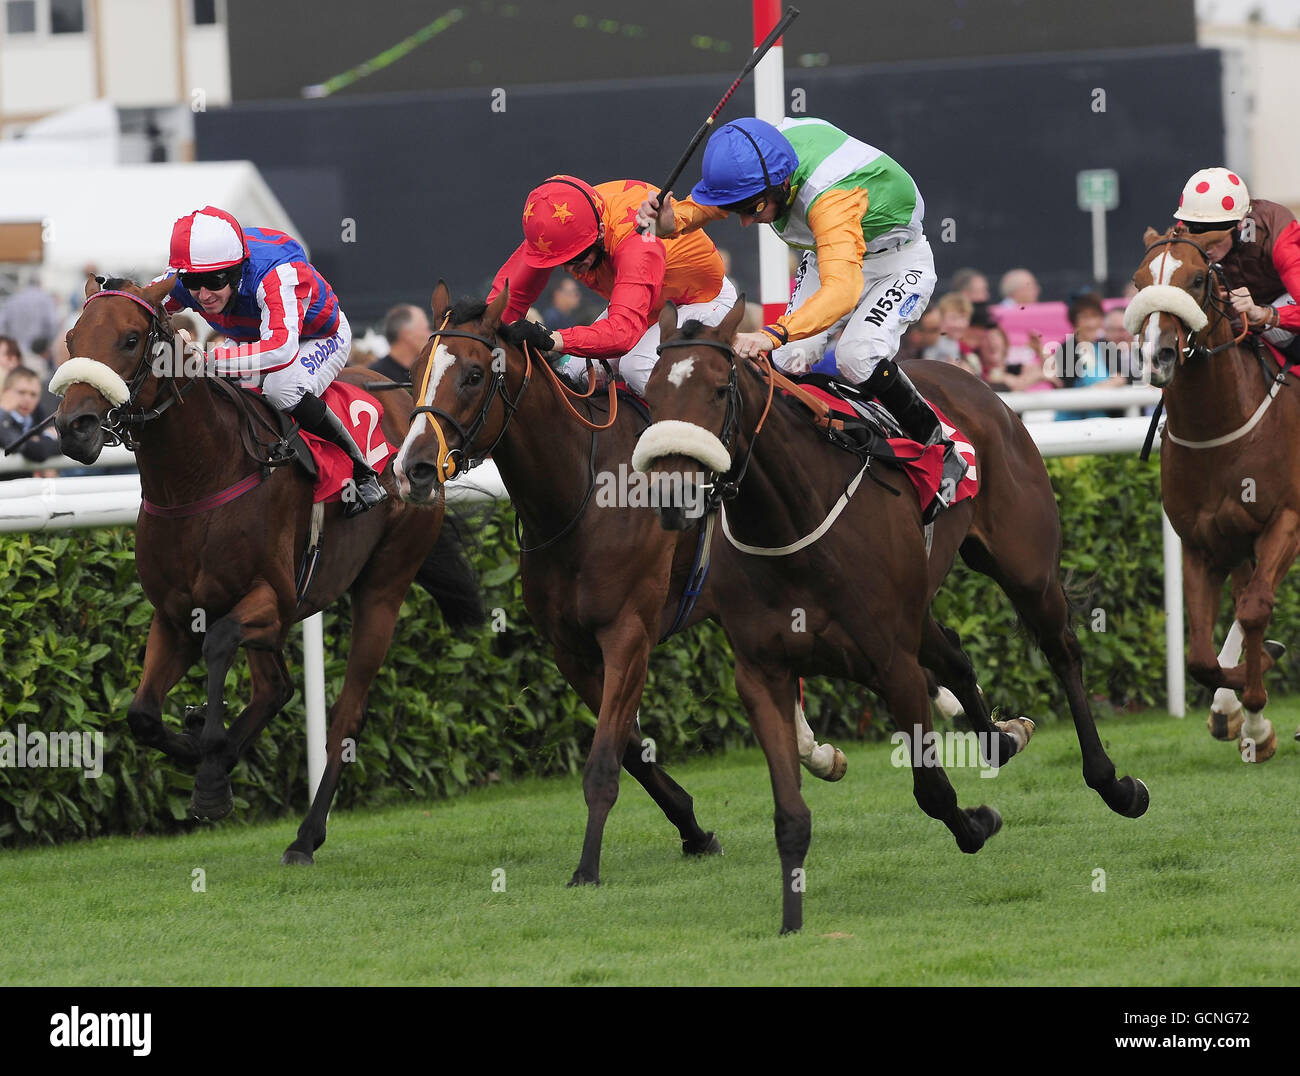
[[524, 331]]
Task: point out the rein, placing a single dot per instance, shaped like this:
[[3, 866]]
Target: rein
[[120, 420], [725, 488]]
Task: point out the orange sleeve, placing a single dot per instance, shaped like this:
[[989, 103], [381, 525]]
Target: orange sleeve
[[836, 223], [689, 216]]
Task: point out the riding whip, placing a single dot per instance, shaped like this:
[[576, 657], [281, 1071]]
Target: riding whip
[[791, 13]]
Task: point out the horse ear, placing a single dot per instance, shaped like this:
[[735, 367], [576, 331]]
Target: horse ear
[[497, 307], [156, 292], [667, 322], [1149, 236], [732, 321], [440, 302], [92, 285]]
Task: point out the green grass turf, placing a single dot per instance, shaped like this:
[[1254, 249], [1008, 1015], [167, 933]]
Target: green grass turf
[[1202, 890]]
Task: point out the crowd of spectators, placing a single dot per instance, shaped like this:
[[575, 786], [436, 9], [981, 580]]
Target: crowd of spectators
[[1020, 343], [1016, 342]]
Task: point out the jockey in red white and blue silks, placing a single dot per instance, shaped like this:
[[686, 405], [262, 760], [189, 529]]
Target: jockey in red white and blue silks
[[257, 288]]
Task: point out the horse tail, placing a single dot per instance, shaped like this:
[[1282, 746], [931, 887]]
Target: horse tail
[[448, 577]]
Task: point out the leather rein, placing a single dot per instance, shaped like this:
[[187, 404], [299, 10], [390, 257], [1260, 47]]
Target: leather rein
[[1188, 348], [119, 421]]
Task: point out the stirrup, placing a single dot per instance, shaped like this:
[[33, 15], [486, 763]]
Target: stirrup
[[369, 492]]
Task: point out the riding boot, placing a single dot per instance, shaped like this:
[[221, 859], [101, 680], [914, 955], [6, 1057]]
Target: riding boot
[[896, 392], [314, 417]]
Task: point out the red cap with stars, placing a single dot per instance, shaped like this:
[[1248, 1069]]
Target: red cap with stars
[[562, 218]]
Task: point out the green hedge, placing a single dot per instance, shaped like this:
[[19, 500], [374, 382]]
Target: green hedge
[[450, 712]]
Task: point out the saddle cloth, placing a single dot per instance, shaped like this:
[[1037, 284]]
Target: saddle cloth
[[361, 415]]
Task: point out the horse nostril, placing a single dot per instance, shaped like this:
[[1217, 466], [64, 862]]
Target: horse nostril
[[85, 425], [421, 475]]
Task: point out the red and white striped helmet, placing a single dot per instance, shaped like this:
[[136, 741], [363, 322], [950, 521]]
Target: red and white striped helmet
[[205, 240], [1213, 195]]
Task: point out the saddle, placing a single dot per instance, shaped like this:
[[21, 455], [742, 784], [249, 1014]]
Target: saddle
[[846, 418], [259, 417]]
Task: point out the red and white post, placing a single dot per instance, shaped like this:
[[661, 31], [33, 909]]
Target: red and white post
[[769, 105]]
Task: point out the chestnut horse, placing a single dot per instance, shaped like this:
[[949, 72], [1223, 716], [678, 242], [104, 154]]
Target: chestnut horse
[[601, 581], [858, 569], [1229, 473], [223, 577]]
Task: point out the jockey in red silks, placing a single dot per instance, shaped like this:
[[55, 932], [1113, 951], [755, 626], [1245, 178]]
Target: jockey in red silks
[[1260, 259], [591, 231], [256, 287]]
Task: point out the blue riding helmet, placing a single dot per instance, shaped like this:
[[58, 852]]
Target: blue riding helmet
[[743, 159]]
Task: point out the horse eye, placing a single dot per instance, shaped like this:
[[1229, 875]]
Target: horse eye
[[132, 341], [475, 375], [721, 392], [1200, 279]]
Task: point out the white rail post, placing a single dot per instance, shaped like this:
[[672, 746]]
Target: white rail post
[[313, 671], [1175, 666]]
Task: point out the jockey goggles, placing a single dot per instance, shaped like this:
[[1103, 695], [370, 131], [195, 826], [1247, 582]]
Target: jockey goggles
[[213, 281]]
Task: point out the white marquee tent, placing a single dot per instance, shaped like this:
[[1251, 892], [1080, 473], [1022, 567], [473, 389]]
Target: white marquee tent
[[119, 217]]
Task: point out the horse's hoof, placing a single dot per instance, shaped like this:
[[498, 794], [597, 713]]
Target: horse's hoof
[[710, 846], [207, 807], [1141, 799], [1274, 649], [1259, 750], [581, 879], [988, 818], [1225, 727], [294, 858], [1297, 733], [838, 768], [210, 810], [1020, 729]]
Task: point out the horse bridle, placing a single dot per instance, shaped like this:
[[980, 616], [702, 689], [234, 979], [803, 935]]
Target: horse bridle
[[458, 457], [1188, 346], [119, 419], [726, 486]]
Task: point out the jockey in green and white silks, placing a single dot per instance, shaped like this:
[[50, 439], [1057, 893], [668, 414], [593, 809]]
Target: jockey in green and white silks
[[867, 268]]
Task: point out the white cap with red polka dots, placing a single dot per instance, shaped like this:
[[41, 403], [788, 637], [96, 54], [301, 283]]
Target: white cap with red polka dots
[[1213, 195]]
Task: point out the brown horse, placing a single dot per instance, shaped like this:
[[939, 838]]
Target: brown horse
[[224, 577], [601, 581], [1229, 467], [863, 584]]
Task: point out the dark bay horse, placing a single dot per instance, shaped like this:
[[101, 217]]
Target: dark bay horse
[[601, 581], [224, 577], [866, 584], [1229, 473]]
